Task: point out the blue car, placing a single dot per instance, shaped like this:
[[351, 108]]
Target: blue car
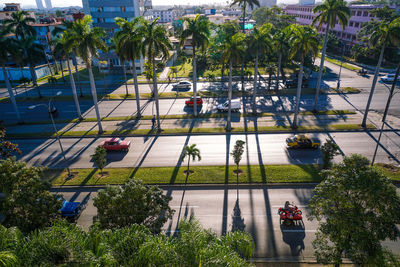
[[70, 210]]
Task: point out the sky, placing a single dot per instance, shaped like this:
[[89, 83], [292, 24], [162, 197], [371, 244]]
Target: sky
[[63, 3]]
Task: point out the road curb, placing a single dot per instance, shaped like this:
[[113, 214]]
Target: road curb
[[199, 134]]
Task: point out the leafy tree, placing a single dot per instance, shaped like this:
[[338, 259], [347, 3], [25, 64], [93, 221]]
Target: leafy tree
[[191, 152], [129, 44], [328, 13], [356, 207], [8, 46], [259, 43], [386, 34], [155, 44], [99, 157], [63, 49], [7, 149], [329, 150], [87, 40], [136, 202], [233, 52], [275, 15], [198, 31], [303, 41], [28, 203], [237, 153]]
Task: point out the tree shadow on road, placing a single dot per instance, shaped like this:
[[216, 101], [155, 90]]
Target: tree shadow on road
[[237, 219]]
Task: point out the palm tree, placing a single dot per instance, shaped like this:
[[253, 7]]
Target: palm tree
[[329, 12], [303, 41], [281, 46], [32, 53], [87, 41], [20, 24], [8, 47], [156, 44], [233, 52], [259, 43], [63, 49], [387, 33], [244, 4], [129, 45], [237, 157], [191, 152], [198, 31]]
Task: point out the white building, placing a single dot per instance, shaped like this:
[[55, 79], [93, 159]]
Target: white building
[[306, 2], [164, 15]]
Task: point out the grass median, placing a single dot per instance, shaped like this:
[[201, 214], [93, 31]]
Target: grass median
[[200, 175], [344, 64]]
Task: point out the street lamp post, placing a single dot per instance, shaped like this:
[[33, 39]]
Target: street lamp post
[[391, 94], [48, 106], [340, 70]]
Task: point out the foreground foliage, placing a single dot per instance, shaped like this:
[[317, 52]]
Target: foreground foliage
[[356, 207], [64, 244]]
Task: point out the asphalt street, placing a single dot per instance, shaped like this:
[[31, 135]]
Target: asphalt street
[[255, 211], [215, 149]]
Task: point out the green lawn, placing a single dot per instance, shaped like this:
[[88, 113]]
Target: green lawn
[[344, 65], [201, 175]]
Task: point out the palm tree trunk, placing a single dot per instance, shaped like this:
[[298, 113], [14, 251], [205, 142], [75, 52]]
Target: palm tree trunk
[[72, 81], [269, 79], [126, 81], [228, 125], [299, 83], [48, 63], [34, 79], [255, 85], [135, 81], [244, 55], [279, 69], [11, 93], [321, 68], [62, 70], [222, 72], [194, 80], [94, 94], [156, 93], [77, 74], [371, 93]]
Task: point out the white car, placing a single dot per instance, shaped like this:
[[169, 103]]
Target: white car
[[389, 78], [235, 106], [183, 85]]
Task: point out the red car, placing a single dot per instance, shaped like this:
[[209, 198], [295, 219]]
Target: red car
[[115, 144], [190, 102]]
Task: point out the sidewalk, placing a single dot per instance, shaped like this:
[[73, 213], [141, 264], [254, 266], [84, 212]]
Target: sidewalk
[[280, 121]]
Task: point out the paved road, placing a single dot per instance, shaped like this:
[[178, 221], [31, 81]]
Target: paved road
[[166, 150], [258, 206], [115, 108]]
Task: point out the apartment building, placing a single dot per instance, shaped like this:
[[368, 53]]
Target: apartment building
[[164, 16], [10, 8], [104, 13], [360, 14]]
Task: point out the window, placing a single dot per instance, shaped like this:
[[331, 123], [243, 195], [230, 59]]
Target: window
[[130, 9], [122, 8], [365, 14], [111, 9], [109, 20], [356, 24], [351, 24], [358, 13], [100, 20], [353, 13]]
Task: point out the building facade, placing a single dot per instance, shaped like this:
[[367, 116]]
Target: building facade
[[104, 13], [360, 14], [164, 16], [10, 8]]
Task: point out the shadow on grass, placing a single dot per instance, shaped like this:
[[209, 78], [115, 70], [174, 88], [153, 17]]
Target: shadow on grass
[[89, 176]]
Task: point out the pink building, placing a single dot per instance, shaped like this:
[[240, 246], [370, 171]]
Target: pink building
[[360, 14]]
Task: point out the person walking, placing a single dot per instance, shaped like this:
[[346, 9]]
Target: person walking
[[153, 122]]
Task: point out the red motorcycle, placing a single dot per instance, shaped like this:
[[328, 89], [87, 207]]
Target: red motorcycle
[[290, 214]]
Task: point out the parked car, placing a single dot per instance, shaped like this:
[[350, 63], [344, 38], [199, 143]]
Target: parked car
[[116, 144], [302, 141], [70, 210], [183, 85], [235, 106], [190, 102], [389, 78]]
